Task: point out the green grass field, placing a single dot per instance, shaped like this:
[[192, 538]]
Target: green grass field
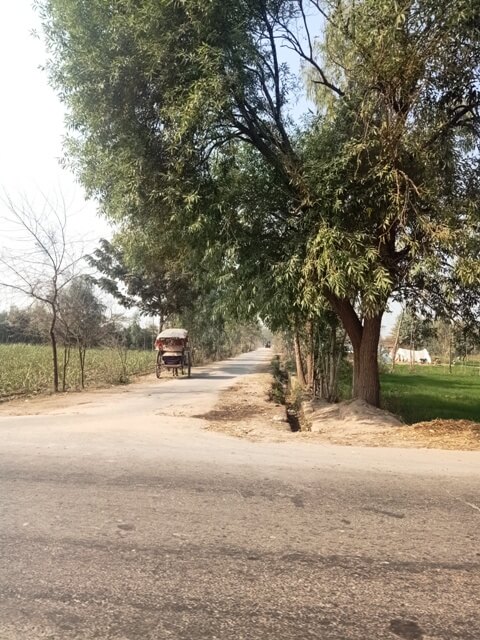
[[26, 369], [428, 392]]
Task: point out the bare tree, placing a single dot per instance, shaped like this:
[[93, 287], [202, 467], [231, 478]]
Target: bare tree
[[40, 261], [82, 321]]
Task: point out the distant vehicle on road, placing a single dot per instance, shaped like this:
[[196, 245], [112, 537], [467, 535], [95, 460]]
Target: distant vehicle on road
[[173, 352], [268, 345]]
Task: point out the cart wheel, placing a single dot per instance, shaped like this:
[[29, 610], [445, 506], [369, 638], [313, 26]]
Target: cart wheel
[[158, 366]]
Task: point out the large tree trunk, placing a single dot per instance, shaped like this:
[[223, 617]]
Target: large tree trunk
[[367, 381], [298, 359], [364, 339]]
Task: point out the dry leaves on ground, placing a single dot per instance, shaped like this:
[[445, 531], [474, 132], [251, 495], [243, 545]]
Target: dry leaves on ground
[[451, 434]]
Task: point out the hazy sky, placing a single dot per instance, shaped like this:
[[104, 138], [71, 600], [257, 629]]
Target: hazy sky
[[31, 119], [31, 131]]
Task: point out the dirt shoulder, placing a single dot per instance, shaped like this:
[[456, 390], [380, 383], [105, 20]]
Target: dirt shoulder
[[245, 410], [43, 403]]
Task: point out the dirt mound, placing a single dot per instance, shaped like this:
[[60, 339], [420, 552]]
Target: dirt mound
[[357, 423], [322, 417]]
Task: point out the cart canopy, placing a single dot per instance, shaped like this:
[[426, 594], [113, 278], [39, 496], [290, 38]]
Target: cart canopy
[[173, 333]]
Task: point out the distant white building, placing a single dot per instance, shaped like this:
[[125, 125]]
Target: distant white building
[[410, 356]]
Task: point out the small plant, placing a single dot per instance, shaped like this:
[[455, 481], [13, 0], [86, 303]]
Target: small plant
[[280, 380], [277, 393], [295, 397]]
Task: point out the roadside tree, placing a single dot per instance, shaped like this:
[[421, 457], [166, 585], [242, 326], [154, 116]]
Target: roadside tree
[[27, 325], [413, 330], [139, 277], [381, 180], [41, 262], [81, 322]]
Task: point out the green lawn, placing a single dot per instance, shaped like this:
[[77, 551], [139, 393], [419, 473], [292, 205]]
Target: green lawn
[[426, 393]]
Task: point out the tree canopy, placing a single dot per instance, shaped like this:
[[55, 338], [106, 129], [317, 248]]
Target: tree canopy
[[138, 281], [182, 125]]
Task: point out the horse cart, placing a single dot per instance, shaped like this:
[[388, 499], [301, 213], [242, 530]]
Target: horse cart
[[173, 352]]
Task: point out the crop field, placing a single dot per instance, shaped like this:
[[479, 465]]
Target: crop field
[[430, 392], [27, 369]]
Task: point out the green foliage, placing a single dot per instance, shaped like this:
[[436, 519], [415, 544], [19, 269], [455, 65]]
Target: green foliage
[[158, 92], [82, 320], [345, 380], [138, 337], [138, 276], [179, 296], [414, 330], [181, 125], [280, 381], [29, 325], [213, 335], [295, 399], [466, 341]]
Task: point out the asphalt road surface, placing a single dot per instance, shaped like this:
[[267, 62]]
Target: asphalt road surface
[[123, 519]]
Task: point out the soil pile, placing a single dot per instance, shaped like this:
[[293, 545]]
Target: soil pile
[[322, 417]]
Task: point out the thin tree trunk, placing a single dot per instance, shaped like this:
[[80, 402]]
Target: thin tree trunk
[[53, 340], [310, 356], [450, 345], [397, 340], [320, 370], [355, 371], [338, 361], [412, 348], [66, 360], [298, 359], [324, 372], [333, 365], [82, 352]]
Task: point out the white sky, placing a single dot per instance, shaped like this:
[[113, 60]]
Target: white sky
[[32, 129], [31, 121]]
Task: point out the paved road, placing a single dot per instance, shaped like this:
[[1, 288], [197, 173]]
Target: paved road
[[122, 519]]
